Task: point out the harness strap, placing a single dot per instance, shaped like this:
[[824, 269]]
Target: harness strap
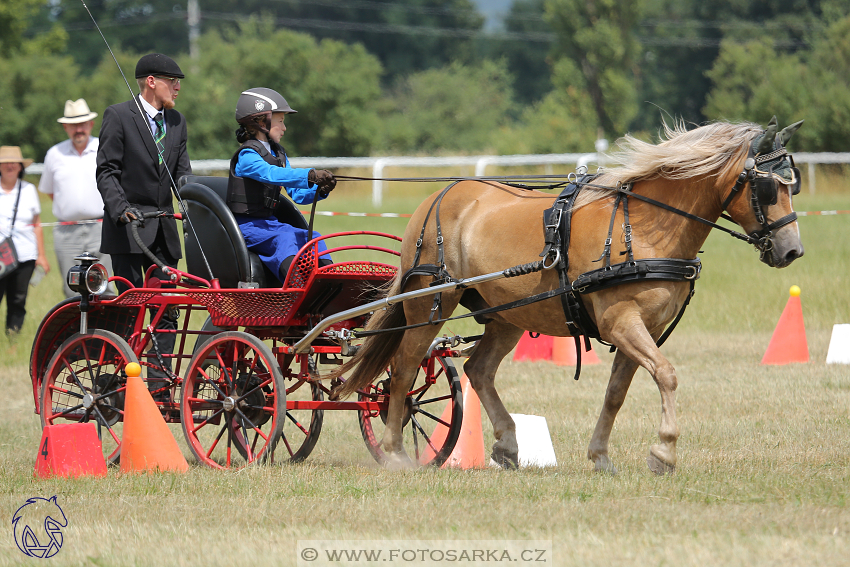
[[606, 252], [627, 229], [738, 235], [504, 307], [663, 338], [669, 269]]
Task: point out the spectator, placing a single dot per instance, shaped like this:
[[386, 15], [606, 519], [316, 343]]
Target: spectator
[[69, 181], [19, 216]]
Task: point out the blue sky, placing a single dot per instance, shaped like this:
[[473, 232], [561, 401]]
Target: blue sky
[[493, 10]]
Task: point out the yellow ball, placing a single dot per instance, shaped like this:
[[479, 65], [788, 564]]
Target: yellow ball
[[133, 369], [795, 291]]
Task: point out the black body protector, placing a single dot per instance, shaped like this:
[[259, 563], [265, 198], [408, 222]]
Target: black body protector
[[250, 197]]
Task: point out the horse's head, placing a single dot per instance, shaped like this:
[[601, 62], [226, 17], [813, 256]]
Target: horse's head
[[766, 212]]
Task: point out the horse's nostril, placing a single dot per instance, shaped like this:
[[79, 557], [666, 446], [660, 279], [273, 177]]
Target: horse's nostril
[[793, 255]]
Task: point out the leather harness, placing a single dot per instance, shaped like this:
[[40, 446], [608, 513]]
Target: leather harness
[[557, 228]]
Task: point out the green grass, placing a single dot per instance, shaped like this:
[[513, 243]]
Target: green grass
[[764, 457]]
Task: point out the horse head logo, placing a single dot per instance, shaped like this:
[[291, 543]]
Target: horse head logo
[[38, 527]]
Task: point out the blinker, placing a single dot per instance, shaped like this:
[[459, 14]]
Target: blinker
[[795, 188], [765, 189]]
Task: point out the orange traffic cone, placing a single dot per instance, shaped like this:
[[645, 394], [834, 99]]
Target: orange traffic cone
[[469, 451], [146, 443], [564, 352], [531, 349], [788, 343]]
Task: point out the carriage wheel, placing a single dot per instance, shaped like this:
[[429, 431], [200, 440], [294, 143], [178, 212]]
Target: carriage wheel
[[85, 382], [433, 414], [301, 428], [233, 401]]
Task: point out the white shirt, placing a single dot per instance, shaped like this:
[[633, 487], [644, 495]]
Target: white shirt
[[24, 235], [152, 112], [70, 178]]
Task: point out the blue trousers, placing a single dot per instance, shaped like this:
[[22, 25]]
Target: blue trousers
[[274, 241]]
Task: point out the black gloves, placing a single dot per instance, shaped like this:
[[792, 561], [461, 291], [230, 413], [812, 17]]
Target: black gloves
[[324, 179], [130, 214]]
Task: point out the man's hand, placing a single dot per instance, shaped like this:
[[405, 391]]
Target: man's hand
[[130, 214], [324, 179]]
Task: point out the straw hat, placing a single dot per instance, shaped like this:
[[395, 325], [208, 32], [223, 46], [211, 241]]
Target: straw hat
[[76, 111], [12, 154]]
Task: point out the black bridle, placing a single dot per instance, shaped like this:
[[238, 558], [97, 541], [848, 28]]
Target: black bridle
[[764, 191]]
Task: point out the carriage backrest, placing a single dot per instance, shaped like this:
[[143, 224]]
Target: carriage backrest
[[220, 237]]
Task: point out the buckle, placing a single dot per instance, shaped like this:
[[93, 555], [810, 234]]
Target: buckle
[[557, 220]]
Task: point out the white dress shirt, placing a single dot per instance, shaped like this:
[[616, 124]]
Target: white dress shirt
[[70, 178]]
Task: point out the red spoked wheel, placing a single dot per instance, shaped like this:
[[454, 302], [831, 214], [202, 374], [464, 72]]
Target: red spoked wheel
[[85, 382], [233, 402], [433, 414], [302, 427]]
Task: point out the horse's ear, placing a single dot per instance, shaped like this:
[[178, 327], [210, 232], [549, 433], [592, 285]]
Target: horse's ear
[[788, 131], [766, 143]]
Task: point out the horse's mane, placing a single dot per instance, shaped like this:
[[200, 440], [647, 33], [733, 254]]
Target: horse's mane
[[682, 154]]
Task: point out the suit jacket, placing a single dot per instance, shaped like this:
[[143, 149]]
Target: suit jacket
[[128, 173]]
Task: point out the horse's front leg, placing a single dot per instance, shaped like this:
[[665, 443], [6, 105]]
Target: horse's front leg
[[622, 372], [634, 340]]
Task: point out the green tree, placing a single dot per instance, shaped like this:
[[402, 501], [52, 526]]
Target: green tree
[[564, 121], [455, 108], [405, 35], [14, 16], [753, 82], [598, 35], [334, 87], [32, 94]]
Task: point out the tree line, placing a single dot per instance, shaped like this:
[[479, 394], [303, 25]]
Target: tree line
[[421, 76]]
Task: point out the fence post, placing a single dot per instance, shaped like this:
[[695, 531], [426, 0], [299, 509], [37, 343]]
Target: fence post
[[377, 184], [811, 169]]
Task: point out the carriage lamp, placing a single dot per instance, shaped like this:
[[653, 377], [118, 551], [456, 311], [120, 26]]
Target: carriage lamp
[[89, 277]]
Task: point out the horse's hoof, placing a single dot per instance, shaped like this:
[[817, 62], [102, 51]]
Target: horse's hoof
[[394, 462], [604, 465], [503, 459], [658, 466]]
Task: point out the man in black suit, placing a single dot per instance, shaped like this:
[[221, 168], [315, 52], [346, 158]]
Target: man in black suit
[[132, 175], [142, 152]]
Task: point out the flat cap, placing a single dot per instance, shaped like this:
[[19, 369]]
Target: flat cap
[[158, 64]]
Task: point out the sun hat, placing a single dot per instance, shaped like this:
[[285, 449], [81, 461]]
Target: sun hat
[[12, 154], [76, 111]]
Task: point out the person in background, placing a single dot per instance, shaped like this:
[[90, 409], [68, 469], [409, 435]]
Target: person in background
[[258, 170], [19, 216], [69, 180]]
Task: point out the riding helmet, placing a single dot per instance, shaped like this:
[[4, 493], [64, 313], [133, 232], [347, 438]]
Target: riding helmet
[[260, 101]]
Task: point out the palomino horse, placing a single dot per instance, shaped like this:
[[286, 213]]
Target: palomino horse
[[487, 226]]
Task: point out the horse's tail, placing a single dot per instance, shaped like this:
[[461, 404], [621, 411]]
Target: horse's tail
[[374, 355]]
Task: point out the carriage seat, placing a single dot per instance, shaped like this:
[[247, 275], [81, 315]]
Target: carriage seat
[[228, 256]]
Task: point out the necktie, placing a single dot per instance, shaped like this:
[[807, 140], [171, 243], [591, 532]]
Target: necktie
[[159, 135]]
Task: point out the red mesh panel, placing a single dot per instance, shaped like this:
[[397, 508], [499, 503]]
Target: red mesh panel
[[303, 268], [360, 269], [247, 307], [133, 297]]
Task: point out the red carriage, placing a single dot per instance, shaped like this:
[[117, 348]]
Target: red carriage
[[236, 383]]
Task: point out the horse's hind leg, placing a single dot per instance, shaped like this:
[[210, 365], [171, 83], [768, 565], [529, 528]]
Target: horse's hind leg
[[622, 372], [634, 340], [404, 369], [498, 340]]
